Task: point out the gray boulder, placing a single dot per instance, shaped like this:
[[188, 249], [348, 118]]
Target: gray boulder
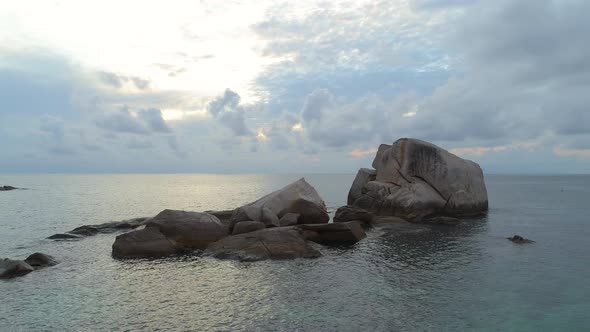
[[298, 197], [270, 243], [14, 268], [334, 233], [350, 213], [40, 260], [289, 219], [148, 242], [247, 227], [414, 179], [188, 230]]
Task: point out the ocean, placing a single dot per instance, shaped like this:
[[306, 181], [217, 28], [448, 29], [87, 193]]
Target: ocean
[[445, 278]]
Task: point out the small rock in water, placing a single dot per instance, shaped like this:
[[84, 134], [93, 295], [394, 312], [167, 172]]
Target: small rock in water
[[40, 260], [10, 268], [6, 188], [519, 239], [65, 236]]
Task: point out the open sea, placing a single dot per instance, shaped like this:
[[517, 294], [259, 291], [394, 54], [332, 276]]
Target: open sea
[[463, 278]]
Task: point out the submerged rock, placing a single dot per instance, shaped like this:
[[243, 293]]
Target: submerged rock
[[349, 232], [270, 243], [519, 239], [298, 197], [148, 242], [247, 227], [14, 268], [40, 260], [414, 180], [65, 236], [109, 227]]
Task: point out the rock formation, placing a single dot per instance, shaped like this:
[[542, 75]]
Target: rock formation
[[416, 180]]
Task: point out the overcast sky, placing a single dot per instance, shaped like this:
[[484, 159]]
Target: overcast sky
[[298, 86]]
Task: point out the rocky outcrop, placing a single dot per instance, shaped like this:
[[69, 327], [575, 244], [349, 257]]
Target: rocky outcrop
[[148, 242], [109, 227], [7, 188], [351, 213], [270, 243], [298, 197], [334, 233], [247, 227], [10, 268], [416, 180]]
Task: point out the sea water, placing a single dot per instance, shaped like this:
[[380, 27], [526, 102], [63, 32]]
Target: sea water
[[445, 278]]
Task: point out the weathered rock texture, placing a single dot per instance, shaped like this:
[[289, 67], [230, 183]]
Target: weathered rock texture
[[269, 243], [247, 227], [415, 180]]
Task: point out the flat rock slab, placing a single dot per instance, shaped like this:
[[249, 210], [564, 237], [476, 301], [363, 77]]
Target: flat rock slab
[[270, 243]]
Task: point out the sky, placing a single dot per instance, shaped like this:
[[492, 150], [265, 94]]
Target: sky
[[309, 86]]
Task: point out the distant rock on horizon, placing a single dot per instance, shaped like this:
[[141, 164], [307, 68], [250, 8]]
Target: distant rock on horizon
[[417, 180], [7, 188]]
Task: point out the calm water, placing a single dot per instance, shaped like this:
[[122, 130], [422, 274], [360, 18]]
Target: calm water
[[467, 277]]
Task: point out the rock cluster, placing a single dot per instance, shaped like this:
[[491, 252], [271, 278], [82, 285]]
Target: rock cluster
[[276, 226]]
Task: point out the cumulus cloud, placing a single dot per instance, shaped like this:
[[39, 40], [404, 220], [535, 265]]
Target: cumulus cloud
[[228, 111], [118, 81]]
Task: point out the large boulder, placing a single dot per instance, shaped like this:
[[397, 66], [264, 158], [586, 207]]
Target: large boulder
[[188, 230], [298, 197], [247, 227], [269, 243], [14, 268], [415, 179], [289, 219], [334, 233], [148, 242]]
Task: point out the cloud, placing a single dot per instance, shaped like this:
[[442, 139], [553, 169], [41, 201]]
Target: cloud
[[228, 111], [118, 81], [152, 117]]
